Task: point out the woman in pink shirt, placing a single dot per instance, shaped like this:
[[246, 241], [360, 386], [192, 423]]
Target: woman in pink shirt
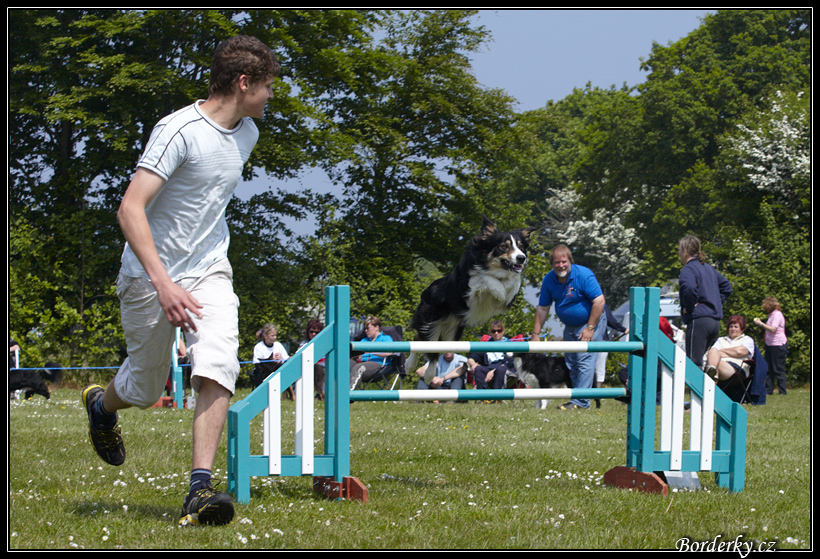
[[776, 345]]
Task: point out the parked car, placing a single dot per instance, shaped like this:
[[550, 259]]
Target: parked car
[[670, 309]]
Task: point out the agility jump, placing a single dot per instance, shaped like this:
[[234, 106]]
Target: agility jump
[[717, 425]]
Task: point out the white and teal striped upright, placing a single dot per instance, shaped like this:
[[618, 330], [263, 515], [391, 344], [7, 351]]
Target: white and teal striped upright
[[710, 408], [331, 470]]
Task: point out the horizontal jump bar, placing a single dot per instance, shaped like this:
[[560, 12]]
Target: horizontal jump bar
[[488, 347], [504, 394]]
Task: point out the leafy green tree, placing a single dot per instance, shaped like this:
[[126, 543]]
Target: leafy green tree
[[413, 124], [57, 331], [86, 88], [715, 143], [696, 91], [393, 121], [766, 249]]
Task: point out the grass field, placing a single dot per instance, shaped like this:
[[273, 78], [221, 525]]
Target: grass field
[[441, 476]]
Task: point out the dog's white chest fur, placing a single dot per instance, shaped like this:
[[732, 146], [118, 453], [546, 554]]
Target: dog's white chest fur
[[491, 293]]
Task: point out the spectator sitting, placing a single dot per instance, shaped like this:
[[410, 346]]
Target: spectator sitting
[[268, 354], [365, 366], [450, 373], [492, 367], [726, 356]]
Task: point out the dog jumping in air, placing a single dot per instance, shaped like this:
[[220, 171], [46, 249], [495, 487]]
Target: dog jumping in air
[[483, 285]]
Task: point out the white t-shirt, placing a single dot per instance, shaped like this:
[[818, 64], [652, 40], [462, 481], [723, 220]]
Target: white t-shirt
[[263, 352], [743, 340], [201, 163]]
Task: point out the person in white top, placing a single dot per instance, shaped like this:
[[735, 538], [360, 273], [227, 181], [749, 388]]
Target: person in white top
[[175, 271], [728, 353], [268, 349], [268, 356]]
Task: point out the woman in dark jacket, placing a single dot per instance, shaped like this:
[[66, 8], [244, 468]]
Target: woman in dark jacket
[[702, 292]]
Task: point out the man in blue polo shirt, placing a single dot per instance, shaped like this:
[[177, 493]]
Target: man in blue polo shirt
[[579, 304]]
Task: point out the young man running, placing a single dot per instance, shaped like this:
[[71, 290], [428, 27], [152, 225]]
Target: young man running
[[175, 271]]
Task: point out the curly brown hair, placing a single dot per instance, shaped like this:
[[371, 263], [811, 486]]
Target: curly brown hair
[[241, 55]]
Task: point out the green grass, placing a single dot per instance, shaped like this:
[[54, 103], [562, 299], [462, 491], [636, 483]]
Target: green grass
[[449, 476]]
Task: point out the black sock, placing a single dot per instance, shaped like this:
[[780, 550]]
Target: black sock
[[199, 479], [100, 417]]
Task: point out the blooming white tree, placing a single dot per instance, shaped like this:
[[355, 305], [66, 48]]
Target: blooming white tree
[[604, 243], [775, 150], [772, 149]]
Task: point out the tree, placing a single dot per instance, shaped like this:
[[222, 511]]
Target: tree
[[706, 146], [414, 121], [394, 121], [768, 252], [697, 90], [601, 243], [86, 88]]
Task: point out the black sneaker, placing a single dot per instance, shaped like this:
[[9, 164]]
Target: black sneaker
[[107, 442], [207, 507]]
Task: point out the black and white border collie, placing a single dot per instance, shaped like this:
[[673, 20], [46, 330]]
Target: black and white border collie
[[484, 284], [538, 370]]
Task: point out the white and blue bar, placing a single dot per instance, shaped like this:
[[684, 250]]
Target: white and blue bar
[[465, 395], [486, 347]]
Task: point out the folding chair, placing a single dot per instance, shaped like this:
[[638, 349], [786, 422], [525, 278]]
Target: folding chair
[[749, 388], [393, 371], [737, 386]]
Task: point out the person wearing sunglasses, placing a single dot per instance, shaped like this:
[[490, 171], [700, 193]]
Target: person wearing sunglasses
[[490, 370]]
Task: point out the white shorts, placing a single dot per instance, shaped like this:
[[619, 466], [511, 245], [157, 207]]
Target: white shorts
[[212, 349]]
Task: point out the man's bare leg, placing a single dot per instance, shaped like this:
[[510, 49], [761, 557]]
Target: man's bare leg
[[212, 403], [203, 505]]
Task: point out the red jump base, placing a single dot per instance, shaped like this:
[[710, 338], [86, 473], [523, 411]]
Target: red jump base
[[625, 477], [349, 488]]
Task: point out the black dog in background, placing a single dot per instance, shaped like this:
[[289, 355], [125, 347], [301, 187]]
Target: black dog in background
[[33, 382], [538, 370]]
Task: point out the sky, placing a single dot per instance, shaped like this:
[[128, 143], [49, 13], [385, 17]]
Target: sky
[[542, 55]]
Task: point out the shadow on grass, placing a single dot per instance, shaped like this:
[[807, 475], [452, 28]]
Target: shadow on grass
[[138, 511], [296, 488]]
